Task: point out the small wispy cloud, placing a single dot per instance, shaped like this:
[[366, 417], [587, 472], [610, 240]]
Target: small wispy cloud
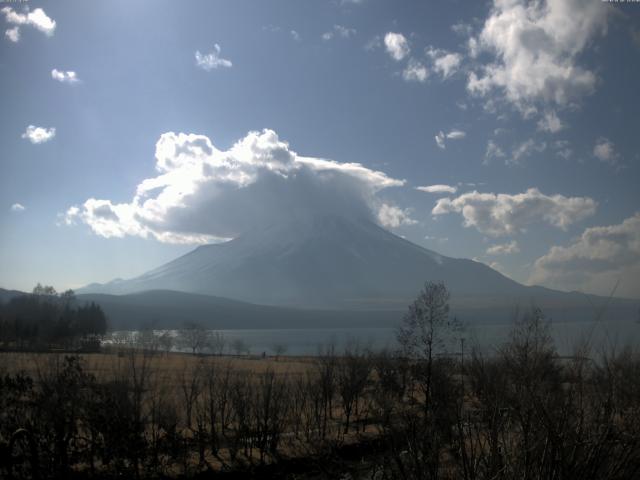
[[62, 76], [493, 151], [550, 122], [13, 34], [525, 149], [504, 248], [415, 71], [442, 137], [445, 63], [438, 188], [396, 45], [391, 216], [212, 60], [338, 31], [38, 134], [18, 207], [604, 150]]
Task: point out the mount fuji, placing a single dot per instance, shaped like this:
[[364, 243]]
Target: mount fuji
[[334, 262]]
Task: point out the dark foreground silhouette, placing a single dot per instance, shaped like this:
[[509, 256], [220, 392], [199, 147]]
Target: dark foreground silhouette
[[417, 413]]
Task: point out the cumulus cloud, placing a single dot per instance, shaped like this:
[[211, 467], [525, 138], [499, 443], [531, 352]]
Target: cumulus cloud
[[504, 248], [64, 77], [605, 151], [596, 261], [415, 71], [391, 216], [550, 122], [536, 47], [339, 31], [445, 63], [396, 45], [202, 194], [212, 60], [17, 207], [504, 214], [438, 189], [37, 19], [38, 134], [295, 35], [442, 137]]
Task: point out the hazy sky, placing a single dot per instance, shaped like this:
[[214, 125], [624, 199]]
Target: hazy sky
[[504, 131]]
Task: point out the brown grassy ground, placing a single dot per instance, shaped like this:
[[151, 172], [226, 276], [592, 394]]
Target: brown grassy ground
[[103, 365]]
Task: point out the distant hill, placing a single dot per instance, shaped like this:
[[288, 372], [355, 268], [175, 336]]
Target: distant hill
[[170, 309], [6, 295]]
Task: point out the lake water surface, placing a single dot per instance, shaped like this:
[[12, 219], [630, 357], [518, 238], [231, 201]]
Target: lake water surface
[[486, 337]]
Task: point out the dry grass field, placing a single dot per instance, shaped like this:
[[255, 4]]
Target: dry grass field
[[105, 365]]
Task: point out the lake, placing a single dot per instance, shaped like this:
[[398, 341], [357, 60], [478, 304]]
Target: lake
[[486, 337]]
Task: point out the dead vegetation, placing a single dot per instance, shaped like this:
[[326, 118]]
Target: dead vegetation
[[522, 412]]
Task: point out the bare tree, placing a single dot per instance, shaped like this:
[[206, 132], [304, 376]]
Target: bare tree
[[194, 337], [279, 349], [353, 370], [217, 343], [166, 341], [239, 346], [424, 332]]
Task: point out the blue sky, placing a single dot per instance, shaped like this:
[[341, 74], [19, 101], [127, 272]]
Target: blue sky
[[518, 119]]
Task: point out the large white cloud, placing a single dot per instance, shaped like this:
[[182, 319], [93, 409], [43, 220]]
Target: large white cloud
[[596, 261], [504, 214], [202, 194], [36, 18], [536, 47]]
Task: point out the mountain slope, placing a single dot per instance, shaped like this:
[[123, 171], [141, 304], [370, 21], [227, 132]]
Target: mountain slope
[[325, 262]]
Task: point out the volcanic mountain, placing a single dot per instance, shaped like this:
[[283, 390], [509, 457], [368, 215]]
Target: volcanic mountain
[[332, 262]]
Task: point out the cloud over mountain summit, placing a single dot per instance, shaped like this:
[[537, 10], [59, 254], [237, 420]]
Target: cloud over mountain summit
[[202, 194]]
